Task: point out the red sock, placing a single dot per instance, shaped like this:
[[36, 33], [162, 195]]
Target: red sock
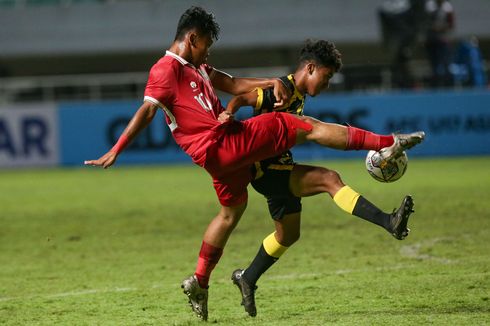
[[208, 258], [362, 139]]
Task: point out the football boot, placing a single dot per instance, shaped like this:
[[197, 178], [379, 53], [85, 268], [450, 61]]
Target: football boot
[[247, 291], [198, 297], [401, 143], [399, 219]]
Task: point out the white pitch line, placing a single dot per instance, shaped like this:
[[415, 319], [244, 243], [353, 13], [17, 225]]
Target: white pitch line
[[291, 276], [411, 251], [156, 286], [83, 292], [339, 272], [69, 294]]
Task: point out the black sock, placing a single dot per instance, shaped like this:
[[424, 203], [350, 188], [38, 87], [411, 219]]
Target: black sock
[[259, 265], [366, 210]]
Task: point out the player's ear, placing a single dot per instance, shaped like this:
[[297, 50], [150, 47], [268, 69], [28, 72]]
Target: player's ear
[[310, 67], [193, 38]]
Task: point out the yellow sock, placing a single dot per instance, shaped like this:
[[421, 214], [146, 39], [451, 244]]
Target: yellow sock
[[272, 247], [346, 198]]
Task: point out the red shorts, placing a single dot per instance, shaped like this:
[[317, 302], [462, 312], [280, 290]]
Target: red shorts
[[243, 143]]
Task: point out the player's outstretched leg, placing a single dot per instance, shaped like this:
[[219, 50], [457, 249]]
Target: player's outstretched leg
[[198, 296], [401, 143], [247, 291], [399, 219], [352, 138]]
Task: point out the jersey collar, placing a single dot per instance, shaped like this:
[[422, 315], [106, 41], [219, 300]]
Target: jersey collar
[[178, 58], [293, 87]]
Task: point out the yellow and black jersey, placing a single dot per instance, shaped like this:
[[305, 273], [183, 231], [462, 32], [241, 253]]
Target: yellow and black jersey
[[265, 103], [266, 99]]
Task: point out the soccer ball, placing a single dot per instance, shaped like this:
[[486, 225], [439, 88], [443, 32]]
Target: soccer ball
[[386, 171]]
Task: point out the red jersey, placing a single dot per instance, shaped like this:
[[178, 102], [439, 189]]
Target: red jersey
[[226, 150], [190, 103]]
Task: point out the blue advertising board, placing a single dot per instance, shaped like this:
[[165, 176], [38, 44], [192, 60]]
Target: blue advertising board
[[89, 129], [456, 123]]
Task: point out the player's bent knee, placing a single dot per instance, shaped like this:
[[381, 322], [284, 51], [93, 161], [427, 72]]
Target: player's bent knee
[[332, 176], [332, 181], [317, 128], [230, 216], [315, 123], [303, 135]]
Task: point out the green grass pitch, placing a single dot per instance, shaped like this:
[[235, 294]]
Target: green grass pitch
[[87, 246]]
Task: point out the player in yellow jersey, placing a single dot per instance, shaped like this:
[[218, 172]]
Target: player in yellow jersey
[[283, 182]]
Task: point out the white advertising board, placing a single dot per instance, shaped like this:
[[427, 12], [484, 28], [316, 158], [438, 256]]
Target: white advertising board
[[28, 135]]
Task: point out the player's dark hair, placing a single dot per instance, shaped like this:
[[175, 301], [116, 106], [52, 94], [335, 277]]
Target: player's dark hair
[[199, 19], [321, 52]]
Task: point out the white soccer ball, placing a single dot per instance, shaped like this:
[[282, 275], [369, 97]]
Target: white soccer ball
[[386, 171]]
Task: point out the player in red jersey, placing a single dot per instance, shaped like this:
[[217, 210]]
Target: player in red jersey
[[183, 86]]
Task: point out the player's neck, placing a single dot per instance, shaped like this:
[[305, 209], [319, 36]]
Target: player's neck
[[182, 50], [299, 81]]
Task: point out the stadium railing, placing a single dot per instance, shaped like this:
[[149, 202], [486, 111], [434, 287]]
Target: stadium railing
[[94, 86], [110, 86]]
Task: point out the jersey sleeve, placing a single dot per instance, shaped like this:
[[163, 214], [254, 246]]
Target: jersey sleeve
[[265, 100], [160, 88]]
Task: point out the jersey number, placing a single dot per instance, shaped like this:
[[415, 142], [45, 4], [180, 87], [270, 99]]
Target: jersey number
[[200, 99]]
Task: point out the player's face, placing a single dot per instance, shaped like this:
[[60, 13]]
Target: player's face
[[201, 45], [319, 79]]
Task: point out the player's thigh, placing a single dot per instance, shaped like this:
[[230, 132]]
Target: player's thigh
[[253, 140], [307, 180], [274, 185], [326, 134], [231, 189]]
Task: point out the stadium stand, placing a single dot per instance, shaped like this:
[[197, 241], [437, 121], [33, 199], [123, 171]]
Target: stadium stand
[[102, 49]]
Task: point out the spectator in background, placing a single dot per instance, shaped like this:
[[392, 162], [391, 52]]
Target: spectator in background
[[467, 68], [440, 15], [401, 25]]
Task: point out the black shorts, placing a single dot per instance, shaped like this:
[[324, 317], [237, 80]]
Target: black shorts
[[272, 181]]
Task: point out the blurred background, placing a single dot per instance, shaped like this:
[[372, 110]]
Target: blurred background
[[67, 66]]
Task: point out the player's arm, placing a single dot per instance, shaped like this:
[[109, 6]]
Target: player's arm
[[237, 85], [236, 102], [246, 99], [141, 119], [262, 100]]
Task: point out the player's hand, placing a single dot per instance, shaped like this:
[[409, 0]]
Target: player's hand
[[281, 93], [105, 161], [225, 117]]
